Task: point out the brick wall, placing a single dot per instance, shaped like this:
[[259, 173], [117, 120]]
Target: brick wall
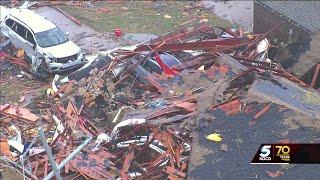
[[264, 19]]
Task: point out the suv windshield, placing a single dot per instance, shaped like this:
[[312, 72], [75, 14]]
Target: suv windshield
[[51, 37]]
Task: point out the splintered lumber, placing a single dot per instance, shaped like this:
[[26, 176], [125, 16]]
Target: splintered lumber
[[18, 112]]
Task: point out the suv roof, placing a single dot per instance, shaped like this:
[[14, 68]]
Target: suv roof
[[33, 20], [3, 12]]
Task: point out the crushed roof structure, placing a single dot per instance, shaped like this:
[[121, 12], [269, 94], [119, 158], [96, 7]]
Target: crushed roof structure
[[243, 140], [288, 94]]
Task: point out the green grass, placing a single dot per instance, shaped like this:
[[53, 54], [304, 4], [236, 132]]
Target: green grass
[[141, 16], [12, 90]]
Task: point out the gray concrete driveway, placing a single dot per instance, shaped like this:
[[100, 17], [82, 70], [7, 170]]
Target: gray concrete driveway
[[87, 38], [239, 12]]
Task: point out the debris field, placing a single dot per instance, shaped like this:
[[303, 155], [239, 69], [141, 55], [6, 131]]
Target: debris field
[[122, 118]]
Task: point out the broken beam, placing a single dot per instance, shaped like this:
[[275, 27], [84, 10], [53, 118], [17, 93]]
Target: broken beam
[[181, 34], [126, 164], [315, 76], [218, 45], [70, 157], [194, 62]]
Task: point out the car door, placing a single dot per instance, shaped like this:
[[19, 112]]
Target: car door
[[7, 30], [30, 44], [16, 37], [23, 40]]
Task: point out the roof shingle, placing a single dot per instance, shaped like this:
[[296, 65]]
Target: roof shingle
[[305, 13]]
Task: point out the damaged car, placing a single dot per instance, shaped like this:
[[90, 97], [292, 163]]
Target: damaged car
[[150, 65], [45, 45]]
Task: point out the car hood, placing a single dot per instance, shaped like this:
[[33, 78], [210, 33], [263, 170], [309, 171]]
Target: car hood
[[62, 50]]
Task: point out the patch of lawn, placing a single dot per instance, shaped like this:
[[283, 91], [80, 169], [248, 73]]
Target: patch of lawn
[[142, 16], [11, 91]]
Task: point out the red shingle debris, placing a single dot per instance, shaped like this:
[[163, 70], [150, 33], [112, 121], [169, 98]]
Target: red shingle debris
[[260, 113], [231, 107], [275, 174]]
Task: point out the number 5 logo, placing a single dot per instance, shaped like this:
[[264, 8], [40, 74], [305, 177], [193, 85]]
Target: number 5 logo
[[265, 151]]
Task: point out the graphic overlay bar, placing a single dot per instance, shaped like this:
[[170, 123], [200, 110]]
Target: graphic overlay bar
[[287, 154]]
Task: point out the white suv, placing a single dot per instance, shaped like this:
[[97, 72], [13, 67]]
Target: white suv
[[42, 40]]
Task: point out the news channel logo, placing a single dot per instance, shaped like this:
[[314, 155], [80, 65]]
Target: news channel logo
[[281, 152], [265, 153]]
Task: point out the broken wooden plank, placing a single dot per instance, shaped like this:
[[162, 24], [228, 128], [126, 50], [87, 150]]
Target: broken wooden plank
[[315, 76], [18, 112]]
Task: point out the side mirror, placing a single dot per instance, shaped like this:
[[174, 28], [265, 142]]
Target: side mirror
[[67, 33]]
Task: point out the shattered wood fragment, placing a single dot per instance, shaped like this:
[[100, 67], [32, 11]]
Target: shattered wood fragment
[[275, 174], [260, 113], [234, 34], [126, 164], [18, 112], [315, 76], [153, 81], [216, 45], [181, 34], [175, 172], [191, 107], [161, 112], [263, 110], [201, 59], [4, 147], [231, 107], [18, 61], [171, 119]]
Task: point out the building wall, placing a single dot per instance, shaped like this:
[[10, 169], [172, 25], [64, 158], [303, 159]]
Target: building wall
[[264, 19]]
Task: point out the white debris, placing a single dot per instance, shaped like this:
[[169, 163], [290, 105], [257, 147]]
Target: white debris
[[101, 138]]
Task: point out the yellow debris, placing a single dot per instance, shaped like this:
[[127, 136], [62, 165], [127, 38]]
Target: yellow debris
[[20, 53], [214, 137]]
